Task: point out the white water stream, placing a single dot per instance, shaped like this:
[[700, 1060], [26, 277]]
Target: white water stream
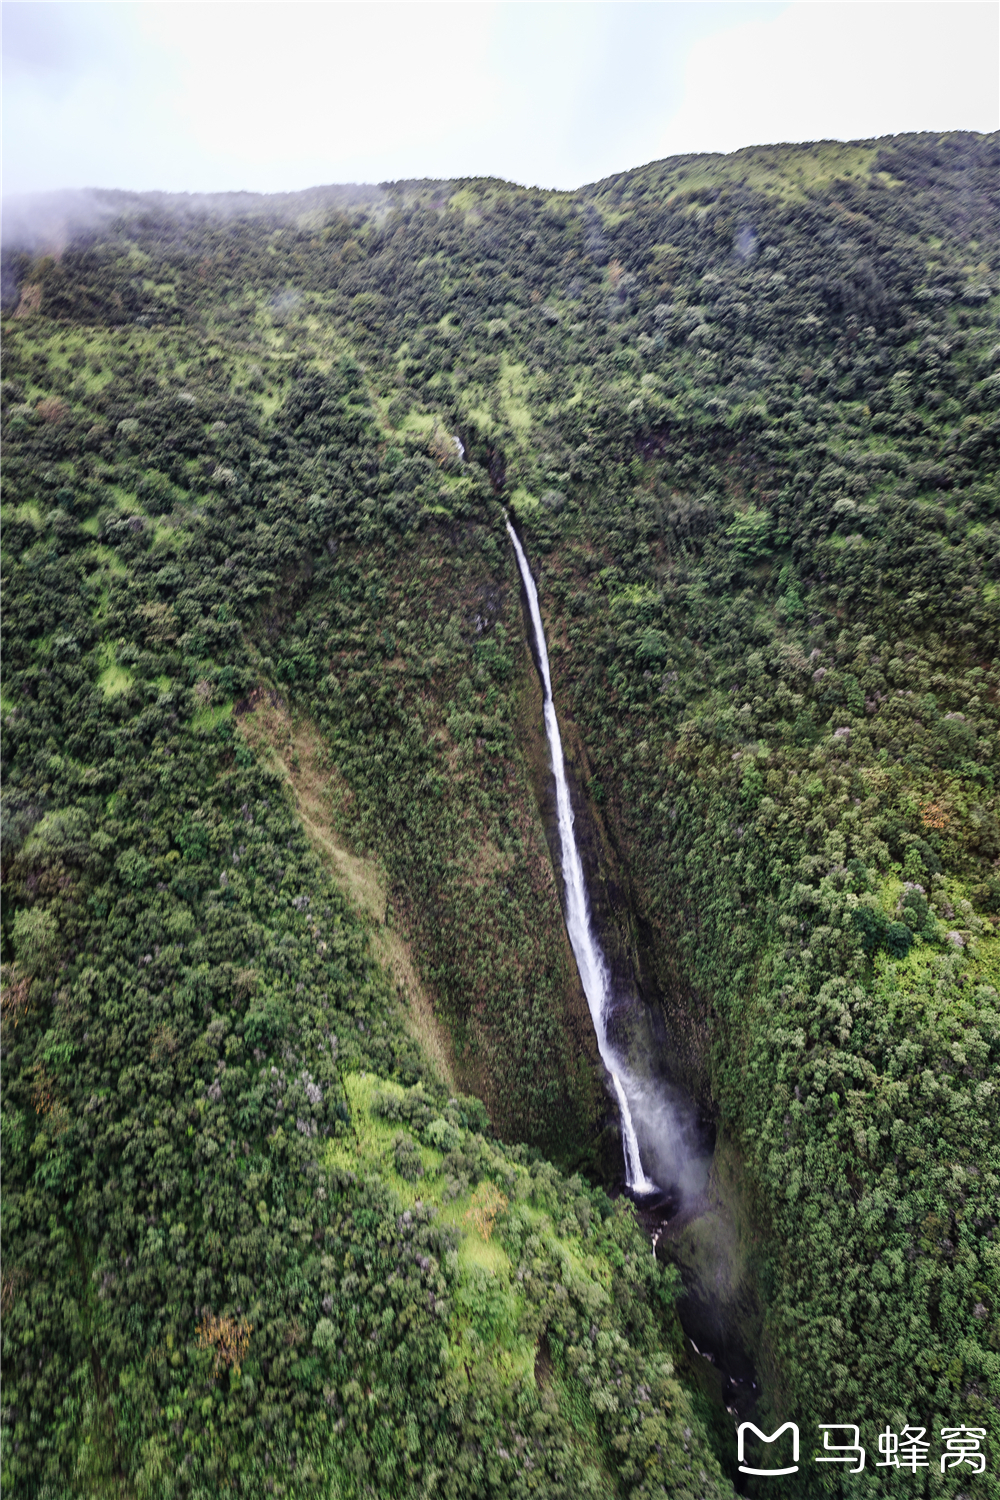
[[590, 960]]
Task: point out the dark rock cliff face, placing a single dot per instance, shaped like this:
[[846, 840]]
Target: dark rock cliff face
[[665, 1041], [605, 1155], [656, 1022]]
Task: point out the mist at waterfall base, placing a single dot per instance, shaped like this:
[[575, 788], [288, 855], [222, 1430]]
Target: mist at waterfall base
[[660, 1141], [670, 1140]]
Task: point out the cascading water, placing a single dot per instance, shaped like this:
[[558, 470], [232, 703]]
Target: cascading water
[[666, 1121], [590, 960]]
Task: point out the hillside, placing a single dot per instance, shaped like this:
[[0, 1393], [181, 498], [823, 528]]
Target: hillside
[[312, 1181]]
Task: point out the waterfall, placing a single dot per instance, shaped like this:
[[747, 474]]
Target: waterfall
[[590, 960]]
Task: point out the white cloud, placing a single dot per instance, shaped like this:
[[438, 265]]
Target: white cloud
[[208, 96], [840, 71], [294, 94], [82, 100]]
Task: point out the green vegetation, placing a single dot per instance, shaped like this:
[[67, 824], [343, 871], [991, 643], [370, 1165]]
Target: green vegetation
[[291, 1030]]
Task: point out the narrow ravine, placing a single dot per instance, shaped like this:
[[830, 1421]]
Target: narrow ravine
[[678, 1197], [590, 960]]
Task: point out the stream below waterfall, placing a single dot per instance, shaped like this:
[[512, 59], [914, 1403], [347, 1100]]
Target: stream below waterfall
[[667, 1158]]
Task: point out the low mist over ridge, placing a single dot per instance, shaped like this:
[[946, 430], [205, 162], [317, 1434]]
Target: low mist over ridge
[[47, 222]]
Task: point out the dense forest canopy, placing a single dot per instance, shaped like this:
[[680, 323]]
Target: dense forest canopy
[[311, 1178]]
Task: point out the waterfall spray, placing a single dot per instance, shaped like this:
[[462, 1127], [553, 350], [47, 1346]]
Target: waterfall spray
[[590, 960]]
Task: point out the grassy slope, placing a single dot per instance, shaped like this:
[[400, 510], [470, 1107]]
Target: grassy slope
[[225, 1284], [658, 494]]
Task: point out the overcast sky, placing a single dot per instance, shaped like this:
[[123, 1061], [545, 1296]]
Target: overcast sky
[[269, 97]]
